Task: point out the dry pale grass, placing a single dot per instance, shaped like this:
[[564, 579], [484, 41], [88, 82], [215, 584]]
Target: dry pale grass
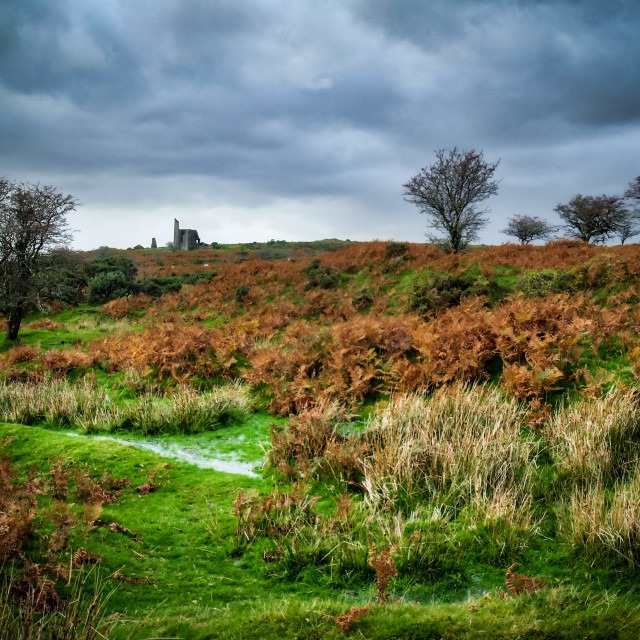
[[116, 327], [84, 405], [595, 444], [55, 400], [606, 523], [597, 439], [463, 442], [508, 502]]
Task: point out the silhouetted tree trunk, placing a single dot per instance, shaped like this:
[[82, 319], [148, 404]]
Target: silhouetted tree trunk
[[14, 320]]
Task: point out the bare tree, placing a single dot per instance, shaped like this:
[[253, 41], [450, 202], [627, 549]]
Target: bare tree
[[631, 225], [32, 223], [633, 190], [528, 228], [450, 191], [593, 218]]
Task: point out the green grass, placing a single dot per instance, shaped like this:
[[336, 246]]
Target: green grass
[[206, 589], [82, 324], [204, 583], [177, 549]]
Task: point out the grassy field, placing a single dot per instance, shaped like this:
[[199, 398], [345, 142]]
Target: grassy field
[[383, 441]]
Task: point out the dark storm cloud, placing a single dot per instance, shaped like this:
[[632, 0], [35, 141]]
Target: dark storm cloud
[[201, 106], [569, 60]]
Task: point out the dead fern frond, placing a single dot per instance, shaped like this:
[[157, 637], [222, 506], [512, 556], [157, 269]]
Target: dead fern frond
[[117, 575], [517, 583], [82, 556], [385, 570], [355, 614]]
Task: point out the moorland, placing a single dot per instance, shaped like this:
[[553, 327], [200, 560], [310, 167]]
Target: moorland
[[327, 440]]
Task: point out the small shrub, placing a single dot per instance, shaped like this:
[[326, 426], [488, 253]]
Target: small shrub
[[604, 270], [396, 255], [363, 301], [109, 286], [442, 289], [267, 253], [321, 276], [395, 250], [110, 264], [241, 293], [157, 287], [539, 284]]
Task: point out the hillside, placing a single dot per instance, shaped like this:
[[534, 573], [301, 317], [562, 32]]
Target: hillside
[[317, 440]]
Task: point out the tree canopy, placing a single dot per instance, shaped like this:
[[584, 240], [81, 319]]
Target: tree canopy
[[528, 228], [633, 190], [450, 191], [631, 226], [593, 218], [33, 222]]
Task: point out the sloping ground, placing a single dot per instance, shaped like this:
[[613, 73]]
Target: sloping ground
[[182, 572], [410, 507]]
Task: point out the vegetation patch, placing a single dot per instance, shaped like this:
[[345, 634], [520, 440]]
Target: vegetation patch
[[425, 444]]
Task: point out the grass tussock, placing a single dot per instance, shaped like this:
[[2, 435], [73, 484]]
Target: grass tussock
[[597, 440], [90, 408], [82, 616], [606, 524], [463, 442], [56, 401], [430, 474], [296, 538]]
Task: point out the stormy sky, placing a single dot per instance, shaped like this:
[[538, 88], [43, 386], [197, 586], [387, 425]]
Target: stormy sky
[[301, 119]]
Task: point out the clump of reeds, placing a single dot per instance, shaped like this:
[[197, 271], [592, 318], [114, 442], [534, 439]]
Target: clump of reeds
[[81, 617], [465, 451], [597, 439], [186, 411], [595, 447], [604, 524], [85, 405], [54, 400], [463, 443]]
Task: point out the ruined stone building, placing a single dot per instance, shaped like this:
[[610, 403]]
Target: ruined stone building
[[185, 239]]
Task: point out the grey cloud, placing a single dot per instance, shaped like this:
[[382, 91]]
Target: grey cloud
[[274, 100], [528, 58]]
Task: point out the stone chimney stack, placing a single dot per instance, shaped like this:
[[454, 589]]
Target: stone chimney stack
[[176, 234]]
